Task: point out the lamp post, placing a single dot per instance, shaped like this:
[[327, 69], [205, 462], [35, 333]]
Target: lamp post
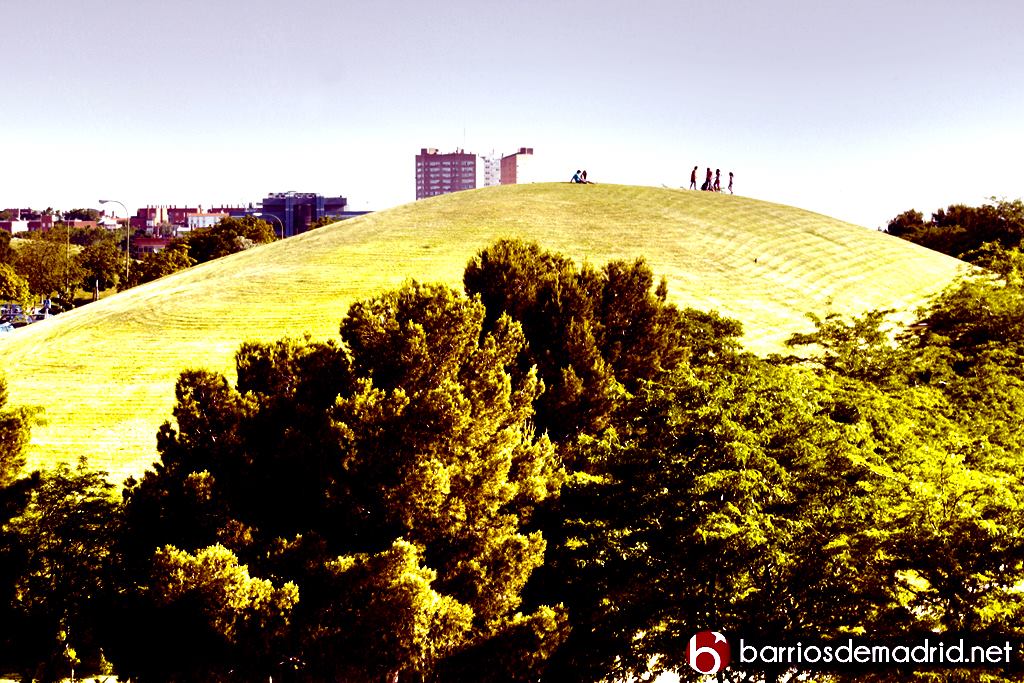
[[67, 262], [127, 236], [270, 215]]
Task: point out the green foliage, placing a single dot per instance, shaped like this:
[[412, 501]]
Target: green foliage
[[14, 435], [207, 605], [102, 265], [392, 618], [227, 237], [15, 489], [592, 335], [784, 502], [959, 230], [154, 266], [13, 287], [82, 215], [48, 268], [7, 253], [982, 317], [383, 508], [63, 539], [322, 222], [56, 535], [392, 481], [861, 348]]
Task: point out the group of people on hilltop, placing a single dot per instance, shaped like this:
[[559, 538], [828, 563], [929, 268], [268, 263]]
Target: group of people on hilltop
[[710, 184], [580, 177]]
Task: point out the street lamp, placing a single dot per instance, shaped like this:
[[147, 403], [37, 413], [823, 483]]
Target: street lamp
[[270, 215], [127, 236]]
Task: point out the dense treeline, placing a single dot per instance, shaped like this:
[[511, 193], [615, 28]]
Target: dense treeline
[[960, 230], [229, 236], [66, 259], [556, 475]]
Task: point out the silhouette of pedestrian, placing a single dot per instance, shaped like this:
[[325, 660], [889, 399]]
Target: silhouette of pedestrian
[[718, 180], [730, 182], [707, 181], [693, 178]]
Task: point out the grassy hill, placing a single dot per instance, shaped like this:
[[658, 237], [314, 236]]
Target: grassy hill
[[105, 373]]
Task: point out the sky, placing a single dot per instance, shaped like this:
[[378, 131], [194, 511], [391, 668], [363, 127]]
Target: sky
[[855, 109]]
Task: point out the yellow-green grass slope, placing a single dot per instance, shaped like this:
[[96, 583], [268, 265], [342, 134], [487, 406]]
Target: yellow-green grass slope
[[105, 373]]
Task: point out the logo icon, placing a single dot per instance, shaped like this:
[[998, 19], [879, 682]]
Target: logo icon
[[708, 652]]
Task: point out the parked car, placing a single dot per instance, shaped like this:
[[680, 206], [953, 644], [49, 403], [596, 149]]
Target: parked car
[[8, 311]]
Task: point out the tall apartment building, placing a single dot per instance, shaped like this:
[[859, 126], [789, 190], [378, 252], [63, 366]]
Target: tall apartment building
[[517, 168], [443, 173]]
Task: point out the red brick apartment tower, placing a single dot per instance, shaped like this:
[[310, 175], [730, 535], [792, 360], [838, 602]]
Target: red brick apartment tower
[[443, 173]]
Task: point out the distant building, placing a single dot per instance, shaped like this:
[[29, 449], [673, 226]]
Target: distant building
[[438, 173], [298, 210], [157, 219], [204, 219], [78, 223], [148, 245], [488, 170], [234, 211], [42, 224], [14, 227], [517, 168]]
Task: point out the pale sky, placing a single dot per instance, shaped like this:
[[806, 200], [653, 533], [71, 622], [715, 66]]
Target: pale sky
[[859, 110]]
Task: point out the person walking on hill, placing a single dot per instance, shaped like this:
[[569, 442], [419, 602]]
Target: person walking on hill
[[707, 181], [693, 178], [718, 180], [730, 182]]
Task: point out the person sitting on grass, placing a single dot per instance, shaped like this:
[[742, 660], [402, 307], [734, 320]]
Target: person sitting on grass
[[576, 178]]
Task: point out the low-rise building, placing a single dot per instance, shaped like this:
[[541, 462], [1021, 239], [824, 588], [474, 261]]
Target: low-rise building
[[204, 219], [148, 245], [517, 168], [14, 226], [296, 211]]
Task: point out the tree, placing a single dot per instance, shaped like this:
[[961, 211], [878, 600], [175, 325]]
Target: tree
[[7, 253], [958, 229], [14, 435], [591, 334], [82, 215], [48, 269], [65, 538], [322, 222], [15, 489], [392, 480], [861, 348], [13, 287], [229, 236], [154, 266], [101, 264], [207, 619]]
